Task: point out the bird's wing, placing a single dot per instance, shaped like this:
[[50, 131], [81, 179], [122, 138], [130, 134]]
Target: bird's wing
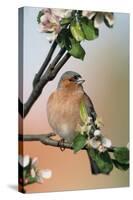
[[91, 112], [89, 107]]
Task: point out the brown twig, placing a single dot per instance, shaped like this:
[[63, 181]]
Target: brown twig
[[45, 63], [43, 76], [49, 75], [47, 140]]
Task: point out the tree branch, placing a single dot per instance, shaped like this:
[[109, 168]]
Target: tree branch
[[45, 63], [47, 140], [41, 80], [49, 75]]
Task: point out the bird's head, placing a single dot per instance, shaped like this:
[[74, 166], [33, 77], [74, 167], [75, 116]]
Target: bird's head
[[70, 80]]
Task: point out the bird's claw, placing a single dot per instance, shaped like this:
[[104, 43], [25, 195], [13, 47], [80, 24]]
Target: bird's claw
[[61, 144]]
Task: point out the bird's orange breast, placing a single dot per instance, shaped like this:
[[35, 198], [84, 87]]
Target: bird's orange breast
[[63, 110]]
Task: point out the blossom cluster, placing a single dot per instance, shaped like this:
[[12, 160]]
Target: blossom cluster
[[95, 139], [30, 173], [50, 19]]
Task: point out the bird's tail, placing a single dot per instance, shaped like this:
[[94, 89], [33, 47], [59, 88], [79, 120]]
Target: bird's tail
[[94, 168]]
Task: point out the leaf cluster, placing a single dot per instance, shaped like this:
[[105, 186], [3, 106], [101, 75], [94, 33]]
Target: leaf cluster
[[118, 156], [76, 29]]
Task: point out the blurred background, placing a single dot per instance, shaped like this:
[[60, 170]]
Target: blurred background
[[106, 71]]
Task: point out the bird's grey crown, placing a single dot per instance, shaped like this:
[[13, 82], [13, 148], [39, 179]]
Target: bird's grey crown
[[67, 75]]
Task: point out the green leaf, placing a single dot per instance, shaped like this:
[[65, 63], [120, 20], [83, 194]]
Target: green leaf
[[63, 39], [103, 160], [83, 112], [120, 165], [79, 142], [39, 16], [88, 28], [24, 173], [31, 180], [121, 154], [76, 31], [76, 49], [65, 21]]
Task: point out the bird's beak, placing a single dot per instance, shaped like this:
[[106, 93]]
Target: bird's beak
[[80, 81]]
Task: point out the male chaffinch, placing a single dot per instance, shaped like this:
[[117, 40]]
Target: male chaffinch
[[63, 108]]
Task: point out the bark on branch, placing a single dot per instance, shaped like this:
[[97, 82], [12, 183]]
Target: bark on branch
[[47, 139], [45, 64], [43, 76], [49, 75]]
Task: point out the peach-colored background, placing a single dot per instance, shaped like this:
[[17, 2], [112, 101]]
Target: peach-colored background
[[106, 71]]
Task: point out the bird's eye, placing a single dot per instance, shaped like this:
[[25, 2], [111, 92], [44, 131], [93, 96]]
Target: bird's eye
[[74, 78]]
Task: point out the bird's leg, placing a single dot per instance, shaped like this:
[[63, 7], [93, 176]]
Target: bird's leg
[[61, 144]]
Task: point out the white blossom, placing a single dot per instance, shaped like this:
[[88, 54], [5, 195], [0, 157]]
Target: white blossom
[[100, 17], [98, 122], [34, 161], [33, 173], [94, 143], [50, 21], [24, 160], [62, 12], [88, 14], [97, 132], [43, 174], [99, 142], [101, 148], [106, 142]]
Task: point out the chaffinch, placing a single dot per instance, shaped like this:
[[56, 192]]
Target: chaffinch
[[63, 108]]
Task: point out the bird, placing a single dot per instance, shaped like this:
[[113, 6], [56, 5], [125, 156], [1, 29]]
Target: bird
[[63, 108]]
